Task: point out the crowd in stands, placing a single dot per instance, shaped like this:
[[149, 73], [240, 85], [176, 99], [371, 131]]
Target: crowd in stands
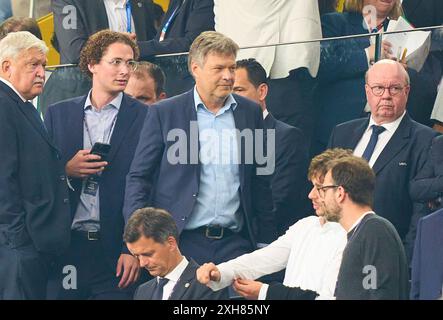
[[233, 166]]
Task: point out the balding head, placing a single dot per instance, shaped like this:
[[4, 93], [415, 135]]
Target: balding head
[[387, 105]]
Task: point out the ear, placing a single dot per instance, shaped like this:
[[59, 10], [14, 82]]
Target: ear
[[263, 91], [340, 195], [6, 67], [194, 67], [92, 68], [172, 242]]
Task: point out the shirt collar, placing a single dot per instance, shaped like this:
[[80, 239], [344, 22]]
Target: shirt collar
[[117, 3], [175, 274], [265, 113], [229, 102], [391, 126], [356, 223], [9, 84], [116, 103]]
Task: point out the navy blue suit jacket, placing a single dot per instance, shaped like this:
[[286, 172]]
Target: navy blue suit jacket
[[288, 182], [400, 161], [91, 17], [34, 206], [428, 184], [193, 17], [154, 181], [427, 262], [64, 121]]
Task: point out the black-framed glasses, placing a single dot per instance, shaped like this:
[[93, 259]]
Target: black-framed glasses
[[322, 190], [117, 63], [380, 90]]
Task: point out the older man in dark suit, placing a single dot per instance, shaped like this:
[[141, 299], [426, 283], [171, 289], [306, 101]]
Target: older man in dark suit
[[192, 161], [152, 237], [395, 146], [106, 115], [34, 205]]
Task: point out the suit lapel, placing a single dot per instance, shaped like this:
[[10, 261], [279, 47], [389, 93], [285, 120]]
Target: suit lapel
[[75, 126], [184, 282], [357, 134], [398, 141], [240, 124], [38, 125], [139, 18], [269, 122], [99, 14], [125, 118], [29, 113]]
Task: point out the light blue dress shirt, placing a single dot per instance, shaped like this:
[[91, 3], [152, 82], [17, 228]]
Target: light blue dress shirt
[[99, 128], [218, 199]]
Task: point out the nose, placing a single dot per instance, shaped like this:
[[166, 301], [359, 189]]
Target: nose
[[313, 193], [144, 262], [228, 74], [40, 71]]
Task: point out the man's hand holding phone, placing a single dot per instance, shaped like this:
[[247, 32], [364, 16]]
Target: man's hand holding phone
[[84, 164]]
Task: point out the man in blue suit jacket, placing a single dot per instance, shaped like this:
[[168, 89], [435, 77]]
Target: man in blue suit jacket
[[34, 205], [397, 152], [427, 262], [289, 183], [222, 207], [105, 115]]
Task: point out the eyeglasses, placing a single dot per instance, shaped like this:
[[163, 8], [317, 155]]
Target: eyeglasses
[[117, 63], [380, 90], [322, 190]]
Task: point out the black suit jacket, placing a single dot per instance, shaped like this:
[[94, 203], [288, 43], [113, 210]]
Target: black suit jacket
[[91, 18], [288, 182], [34, 206], [193, 17], [187, 288], [428, 184], [154, 181], [400, 161], [64, 121]]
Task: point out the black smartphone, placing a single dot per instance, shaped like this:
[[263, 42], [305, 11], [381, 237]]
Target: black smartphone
[[101, 149]]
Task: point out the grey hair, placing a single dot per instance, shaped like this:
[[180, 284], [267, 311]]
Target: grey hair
[[210, 42], [15, 43]]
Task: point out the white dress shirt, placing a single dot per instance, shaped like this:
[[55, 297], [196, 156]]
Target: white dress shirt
[[382, 141], [173, 278], [265, 22], [116, 12], [310, 252]]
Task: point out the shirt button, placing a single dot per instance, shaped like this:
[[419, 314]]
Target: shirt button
[[183, 218], [195, 194]]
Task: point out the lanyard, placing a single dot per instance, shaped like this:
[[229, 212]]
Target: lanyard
[[165, 28], [108, 138], [128, 16]]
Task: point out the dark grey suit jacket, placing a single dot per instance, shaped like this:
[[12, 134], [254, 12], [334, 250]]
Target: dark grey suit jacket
[[91, 18], [187, 288]]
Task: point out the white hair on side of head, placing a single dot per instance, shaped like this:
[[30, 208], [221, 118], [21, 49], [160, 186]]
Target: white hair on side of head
[[16, 42]]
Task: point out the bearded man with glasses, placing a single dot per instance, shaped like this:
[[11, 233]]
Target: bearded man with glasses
[[105, 268], [395, 146]]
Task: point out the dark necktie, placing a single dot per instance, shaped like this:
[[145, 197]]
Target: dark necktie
[[376, 130], [158, 290]]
